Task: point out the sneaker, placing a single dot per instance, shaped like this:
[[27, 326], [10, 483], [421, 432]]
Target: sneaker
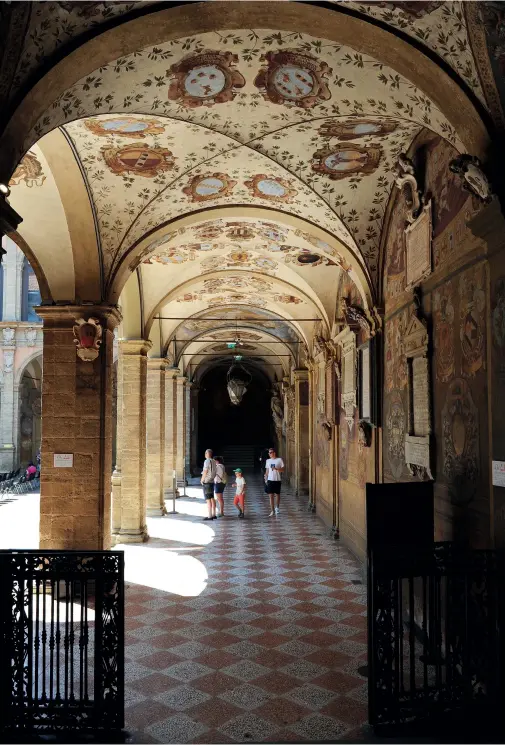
[[272, 513], [241, 514], [207, 518], [277, 511]]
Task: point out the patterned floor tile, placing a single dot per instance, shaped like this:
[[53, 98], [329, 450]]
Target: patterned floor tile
[[267, 652]]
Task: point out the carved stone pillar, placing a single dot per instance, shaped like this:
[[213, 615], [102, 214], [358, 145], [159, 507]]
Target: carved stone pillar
[[171, 374], [181, 429], [155, 424], [302, 474], [75, 501], [129, 478], [9, 402], [188, 430], [195, 391]]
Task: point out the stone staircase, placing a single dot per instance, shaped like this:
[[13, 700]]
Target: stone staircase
[[238, 456]]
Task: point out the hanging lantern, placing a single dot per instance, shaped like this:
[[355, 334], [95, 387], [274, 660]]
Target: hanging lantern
[[238, 380]]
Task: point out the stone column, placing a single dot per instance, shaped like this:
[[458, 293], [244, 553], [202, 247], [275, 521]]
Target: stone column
[[129, 478], [189, 430], [195, 390], [9, 404], [311, 502], [171, 374], [155, 459], [301, 378], [181, 429], [75, 501]]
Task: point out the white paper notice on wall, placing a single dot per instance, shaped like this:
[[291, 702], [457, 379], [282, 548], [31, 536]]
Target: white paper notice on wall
[[63, 460], [498, 473]]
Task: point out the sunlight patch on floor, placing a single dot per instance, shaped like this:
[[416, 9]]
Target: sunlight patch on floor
[[164, 570], [173, 529]]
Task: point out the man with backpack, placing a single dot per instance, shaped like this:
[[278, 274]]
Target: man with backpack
[[207, 481]]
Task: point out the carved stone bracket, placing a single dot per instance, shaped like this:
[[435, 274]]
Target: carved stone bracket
[[406, 181], [418, 445], [473, 178]]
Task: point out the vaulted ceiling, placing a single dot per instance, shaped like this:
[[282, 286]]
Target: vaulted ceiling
[[236, 166]]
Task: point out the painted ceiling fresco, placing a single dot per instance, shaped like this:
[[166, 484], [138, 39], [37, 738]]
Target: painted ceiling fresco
[[322, 131], [441, 26]]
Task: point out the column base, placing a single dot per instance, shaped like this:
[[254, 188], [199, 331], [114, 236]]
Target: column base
[[156, 511], [130, 536]]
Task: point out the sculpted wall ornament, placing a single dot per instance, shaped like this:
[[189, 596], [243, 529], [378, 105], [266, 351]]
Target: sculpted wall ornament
[[473, 178], [30, 336], [342, 160], [205, 79], [406, 182], [355, 317], [138, 159], [8, 361], [88, 338], [292, 78], [364, 434], [349, 376], [9, 337], [418, 445]]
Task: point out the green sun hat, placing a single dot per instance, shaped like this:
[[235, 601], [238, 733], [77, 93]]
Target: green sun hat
[[237, 470]]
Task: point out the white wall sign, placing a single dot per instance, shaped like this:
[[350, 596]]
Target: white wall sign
[[498, 473], [63, 460]]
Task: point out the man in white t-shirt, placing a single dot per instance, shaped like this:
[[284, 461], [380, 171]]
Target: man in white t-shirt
[[273, 470]]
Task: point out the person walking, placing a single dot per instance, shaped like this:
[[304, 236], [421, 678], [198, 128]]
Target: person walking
[[239, 500], [207, 481], [219, 484], [274, 468]]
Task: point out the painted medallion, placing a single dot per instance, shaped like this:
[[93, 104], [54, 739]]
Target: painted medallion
[[340, 161], [239, 231], [126, 126], [272, 188], [138, 159], [353, 129], [28, 171], [205, 79], [294, 79], [209, 186]]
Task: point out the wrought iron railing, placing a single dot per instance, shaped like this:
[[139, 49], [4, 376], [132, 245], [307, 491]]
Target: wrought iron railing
[[436, 649], [61, 640]]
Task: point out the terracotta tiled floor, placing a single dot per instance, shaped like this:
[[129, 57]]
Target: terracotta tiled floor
[[266, 649]]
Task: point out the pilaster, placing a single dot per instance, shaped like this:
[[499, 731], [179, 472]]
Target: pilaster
[[188, 429], [129, 478], [155, 457], [302, 475], [75, 501], [181, 429], [9, 402], [171, 374]]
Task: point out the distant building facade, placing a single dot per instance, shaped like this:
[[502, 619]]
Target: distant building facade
[[20, 360]]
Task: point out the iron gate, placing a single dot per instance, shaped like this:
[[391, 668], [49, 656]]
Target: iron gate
[[61, 640], [435, 649]]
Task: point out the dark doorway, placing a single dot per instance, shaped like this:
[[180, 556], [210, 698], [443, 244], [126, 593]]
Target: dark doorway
[[236, 432]]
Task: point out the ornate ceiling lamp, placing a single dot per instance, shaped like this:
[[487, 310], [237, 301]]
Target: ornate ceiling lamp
[[238, 379]]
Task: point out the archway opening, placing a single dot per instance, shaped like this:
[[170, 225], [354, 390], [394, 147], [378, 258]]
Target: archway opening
[[237, 432]]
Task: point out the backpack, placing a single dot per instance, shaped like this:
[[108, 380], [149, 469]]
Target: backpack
[[212, 475], [222, 476]]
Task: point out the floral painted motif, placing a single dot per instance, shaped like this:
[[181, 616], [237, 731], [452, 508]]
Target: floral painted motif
[[209, 186], [341, 161], [443, 326], [28, 171], [472, 320], [294, 79], [205, 79], [272, 188], [140, 160], [126, 126]]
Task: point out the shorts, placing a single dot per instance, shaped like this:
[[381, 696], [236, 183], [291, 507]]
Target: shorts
[[274, 487], [219, 488], [208, 491]]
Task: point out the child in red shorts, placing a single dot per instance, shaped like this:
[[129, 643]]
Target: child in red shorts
[[239, 500]]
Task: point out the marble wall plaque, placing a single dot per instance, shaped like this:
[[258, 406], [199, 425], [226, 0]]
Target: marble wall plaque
[[418, 247]]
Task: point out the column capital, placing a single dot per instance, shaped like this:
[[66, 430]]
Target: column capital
[[182, 379], [135, 346], [172, 372], [65, 316], [300, 374], [157, 363]]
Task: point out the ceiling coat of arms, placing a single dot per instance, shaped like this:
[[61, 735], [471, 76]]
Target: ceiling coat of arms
[[353, 129], [208, 186], [205, 79], [270, 187], [343, 160], [292, 78], [139, 159], [126, 126], [29, 171]]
